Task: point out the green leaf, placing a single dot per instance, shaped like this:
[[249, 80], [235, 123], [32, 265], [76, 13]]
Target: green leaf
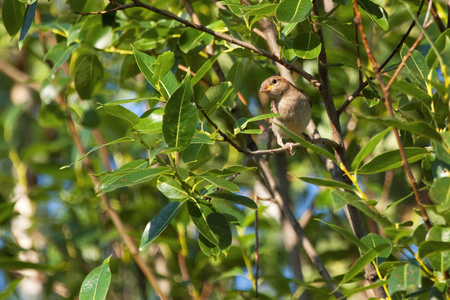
[[215, 96], [293, 11], [437, 248], [123, 113], [308, 145], [363, 261], [6, 210], [151, 121], [88, 73], [262, 9], [151, 100], [220, 182], [162, 65], [307, 45], [368, 148], [210, 222], [60, 55], [373, 240], [9, 263], [402, 277], [12, 14], [145, 62], [418, 127], [171, 188], [440, 46], [159, 222], [5, 294], [235, 198], [417, 92], [95, 285], [349, 236], [113, 181], [391, 160], [202, 138], [440, 193], [180, 116], [326, 182], [378, 15], [192, 38], [208, 248], [119, 140], [352, 199], [416, 65], [204, 69], [30, 12]]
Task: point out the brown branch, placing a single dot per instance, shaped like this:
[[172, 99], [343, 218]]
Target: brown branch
[[387, 102], [386, 61], [225, 37]]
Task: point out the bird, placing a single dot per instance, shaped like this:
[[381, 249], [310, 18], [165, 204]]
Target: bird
[[291, 103]]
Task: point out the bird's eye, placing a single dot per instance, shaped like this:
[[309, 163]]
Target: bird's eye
[[274, 81]]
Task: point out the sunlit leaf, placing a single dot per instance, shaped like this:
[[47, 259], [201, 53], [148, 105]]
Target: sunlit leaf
[[96, 284]]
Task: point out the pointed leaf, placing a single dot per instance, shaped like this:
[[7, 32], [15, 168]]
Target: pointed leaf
[[368, 148], [145, 62], [113, 181], [171, 188], [180, 116], [159, 222], [204, 69], [235, 198], [392, 159], [123, 113], [210, 222], [95, 285], [293, 11], [221, 182], [120, 140], [30, 12], [163, 64], [373, 240], [363, 261], [416, 65], [215, 96], [418, 127], [349, 236], [326, 182]]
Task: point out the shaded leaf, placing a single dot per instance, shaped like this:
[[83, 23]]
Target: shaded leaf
[[307, 45], [326, 182], [416, 65], [235, 198], [373, 240], [220, 182], [12, 14], [440, 193], [162, 65], [30, 12], [363, 261], [123, 113], [418, 127], [95, 285], [349, 236], [204, 69], [88, 73], [293, 11], [215, 96], [211, 223], [159, 222]]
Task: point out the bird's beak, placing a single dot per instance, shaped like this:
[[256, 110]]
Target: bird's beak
[[266, 89]]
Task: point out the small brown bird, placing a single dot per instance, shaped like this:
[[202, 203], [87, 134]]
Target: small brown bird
[[293, 105]]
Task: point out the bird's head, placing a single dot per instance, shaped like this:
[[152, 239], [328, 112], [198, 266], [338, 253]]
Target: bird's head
[[275, 87]]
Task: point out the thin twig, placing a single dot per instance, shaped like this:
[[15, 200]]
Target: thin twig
[[389, 108], [256, 248], [361, 86]]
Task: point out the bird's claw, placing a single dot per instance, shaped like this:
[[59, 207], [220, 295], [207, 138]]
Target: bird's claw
[[290, 148]]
